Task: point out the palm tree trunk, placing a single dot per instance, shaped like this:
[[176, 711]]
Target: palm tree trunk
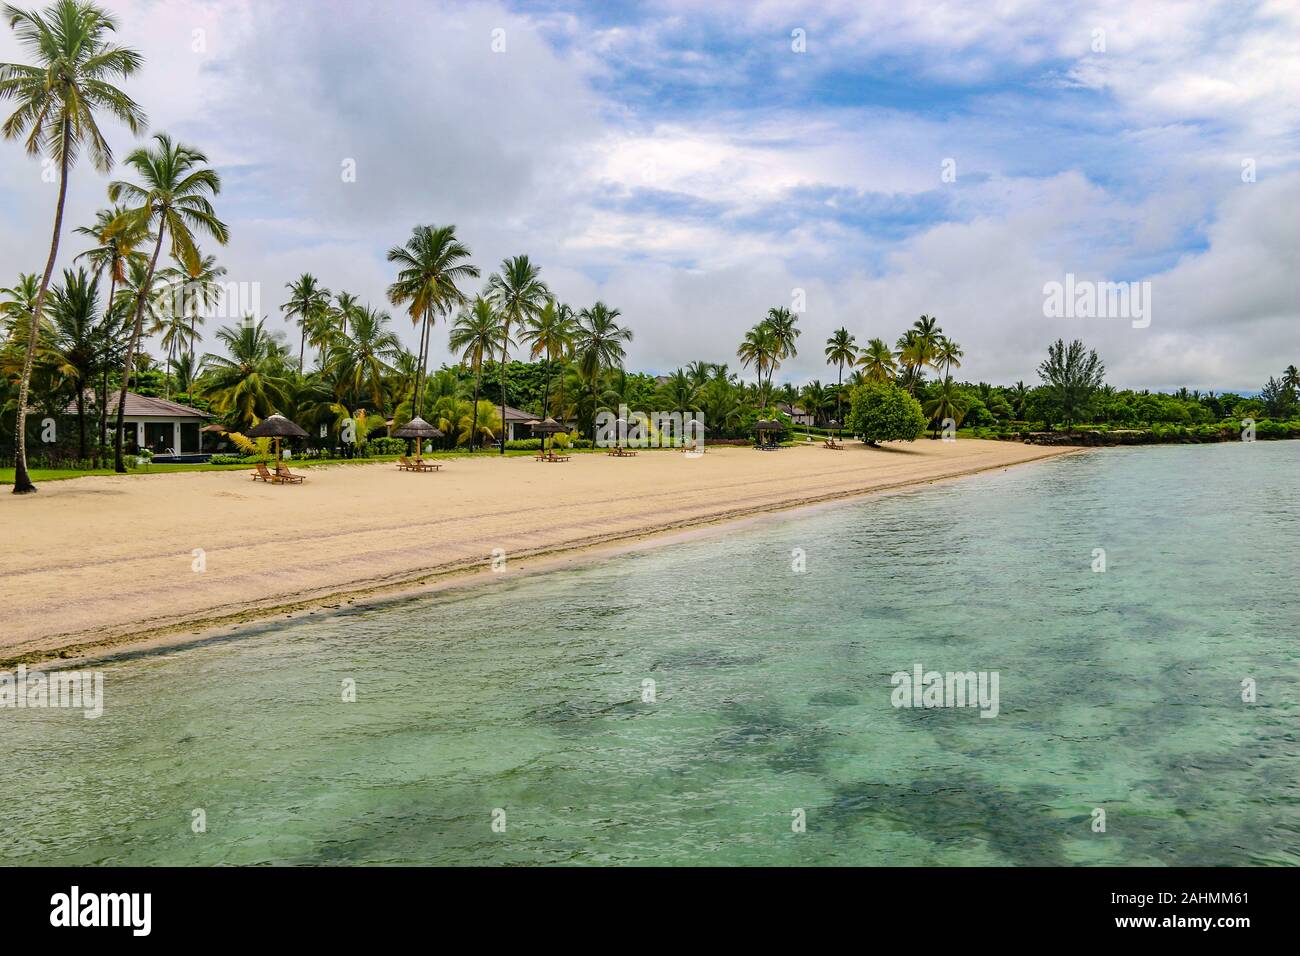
[[302, 345], [81, 419], [119, 465], [504, 339], [22, 481], [473, 428]]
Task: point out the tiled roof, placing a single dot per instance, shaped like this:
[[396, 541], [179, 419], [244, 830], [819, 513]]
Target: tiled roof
[[141, 406]]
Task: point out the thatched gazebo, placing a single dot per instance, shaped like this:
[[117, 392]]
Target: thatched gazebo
[[766, 428], [548, 426], [277, 427], [418, 429]]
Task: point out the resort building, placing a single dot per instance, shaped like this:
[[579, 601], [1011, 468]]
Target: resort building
[[516, 423], [797, 414], [165, 428]]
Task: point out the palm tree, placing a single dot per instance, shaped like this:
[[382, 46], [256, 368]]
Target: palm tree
[[1291, 378], [784, 326], [474, 335], [680, 393], [431, 264], [1019, 395], [549, 336], [73, 308], [877, 361], [115, 252], [345, 306], [815, 399], [189, 295], [948, 355], [361, 359], [57, 102], [759, 348], [171, 200], [519, 295], [947, 403], [598, 345], [841, 350], [249, 384], [308, 301], [188, 369]]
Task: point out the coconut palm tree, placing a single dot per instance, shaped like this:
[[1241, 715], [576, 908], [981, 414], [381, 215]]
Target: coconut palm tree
[[680, 393], [759, 348], [841, 350], [172, 199], [519, 295], [115, 252], [598, 345], [1019, 396], [360, 359], [1291, 378], [877, 361], [784, 326], [250, 383], [947, 403], [188, 296], [431, 265], [58, 99], [947, 355], [549, 336], [475, 335], [308, 301], [345, 305], [74, 306]]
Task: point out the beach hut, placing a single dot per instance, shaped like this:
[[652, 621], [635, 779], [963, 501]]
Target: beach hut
[[277, 427], [418, 429]]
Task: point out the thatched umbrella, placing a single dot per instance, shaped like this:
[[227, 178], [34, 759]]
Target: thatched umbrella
[[764, 425], [418, 429], [277, 427], [548, 426]]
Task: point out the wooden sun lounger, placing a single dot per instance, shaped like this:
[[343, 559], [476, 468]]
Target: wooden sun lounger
[[404, 464], [554, 457], [282, 473], [833, 444], [423, 465], [262, 474]]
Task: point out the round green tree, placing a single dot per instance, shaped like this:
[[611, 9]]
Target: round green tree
[[881, 411]]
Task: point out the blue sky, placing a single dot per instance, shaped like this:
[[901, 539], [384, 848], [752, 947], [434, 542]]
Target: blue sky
[[690, 167]]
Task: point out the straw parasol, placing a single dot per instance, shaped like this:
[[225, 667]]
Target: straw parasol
[[765, 425], [418, 429], [548, 426], [277, 427]]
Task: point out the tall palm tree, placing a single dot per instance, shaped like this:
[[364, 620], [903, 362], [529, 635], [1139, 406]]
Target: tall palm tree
[[785, 329], [759, 348], [430, 266], [250, 383], [172, 199], [58, 99], [475, 335], [947, 403], [308, 301], [188, 296], [345, 305], [1291, 378], [549, 336], [947, 355], [1019, 396], [598, 345], [519, 295], [841, 350]]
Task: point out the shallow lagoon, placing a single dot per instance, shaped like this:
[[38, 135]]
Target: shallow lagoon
[[1119, 690]]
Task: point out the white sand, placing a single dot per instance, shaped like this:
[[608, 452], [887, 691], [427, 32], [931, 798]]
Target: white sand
[[91, 562]]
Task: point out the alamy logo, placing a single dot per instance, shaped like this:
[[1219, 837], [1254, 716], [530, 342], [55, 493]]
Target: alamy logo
[[1085, 299], [648, 430], [73, 689], [923, 688], [103, 909]]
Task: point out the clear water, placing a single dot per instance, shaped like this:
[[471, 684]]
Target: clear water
[[1118, 690]]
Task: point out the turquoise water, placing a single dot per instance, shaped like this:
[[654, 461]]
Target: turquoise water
[[1118, 690]]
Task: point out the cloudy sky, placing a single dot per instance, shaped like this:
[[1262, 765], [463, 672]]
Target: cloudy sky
[[694, 167]]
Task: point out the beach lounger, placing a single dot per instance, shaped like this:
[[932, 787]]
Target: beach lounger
[[404, 464], [423, 465], [555, 457], [833, 444], [282, 473], [262, 474]]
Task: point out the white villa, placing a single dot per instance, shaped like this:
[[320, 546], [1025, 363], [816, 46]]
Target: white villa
[[165, 428]]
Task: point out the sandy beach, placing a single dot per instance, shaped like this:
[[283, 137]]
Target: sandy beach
[[93, 563]]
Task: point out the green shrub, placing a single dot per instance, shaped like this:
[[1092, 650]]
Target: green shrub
[[227, 460], [884, 412], [386, 446]]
